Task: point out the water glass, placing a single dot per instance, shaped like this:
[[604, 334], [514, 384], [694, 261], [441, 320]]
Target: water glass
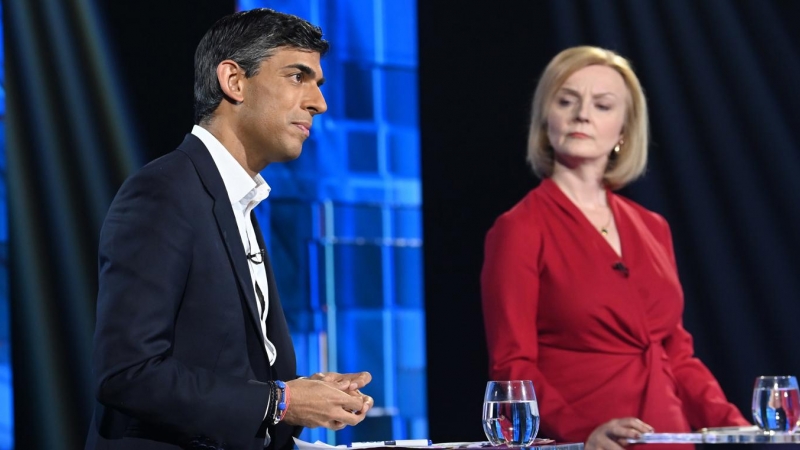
[[776, 403], [510, 413]]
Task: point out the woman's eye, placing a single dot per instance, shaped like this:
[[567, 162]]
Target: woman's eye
[[604, 107], [564, 102]]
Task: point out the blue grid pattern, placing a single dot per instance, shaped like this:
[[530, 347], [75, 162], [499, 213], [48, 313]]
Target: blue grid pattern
[[6, 392], [345, 219]]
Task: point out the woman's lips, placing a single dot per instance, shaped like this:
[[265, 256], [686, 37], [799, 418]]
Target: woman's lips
[[577, 135]]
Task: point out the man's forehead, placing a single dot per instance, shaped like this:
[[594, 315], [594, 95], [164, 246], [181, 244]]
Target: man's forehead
[[295, 53], [288, 57]]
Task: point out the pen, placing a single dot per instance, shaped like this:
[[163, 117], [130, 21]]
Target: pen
[[396, 443]]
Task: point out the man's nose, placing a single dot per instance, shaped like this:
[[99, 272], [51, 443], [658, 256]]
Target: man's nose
[[316, 103]]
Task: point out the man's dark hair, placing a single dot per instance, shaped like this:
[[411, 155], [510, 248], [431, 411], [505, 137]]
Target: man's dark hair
[[247, 37]]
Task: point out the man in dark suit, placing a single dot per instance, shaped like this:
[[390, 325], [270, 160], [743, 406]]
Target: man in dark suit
[[191, 348]]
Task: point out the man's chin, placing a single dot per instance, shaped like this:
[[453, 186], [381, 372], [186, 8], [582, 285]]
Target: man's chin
[[290, 155]]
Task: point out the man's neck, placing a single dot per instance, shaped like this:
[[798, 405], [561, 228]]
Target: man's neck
[[227, 137]]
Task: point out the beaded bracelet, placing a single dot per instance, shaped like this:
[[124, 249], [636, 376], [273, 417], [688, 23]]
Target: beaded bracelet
[[286, 401], [281, 401]]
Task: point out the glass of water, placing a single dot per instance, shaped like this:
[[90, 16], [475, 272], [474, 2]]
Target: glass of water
[[510, 413], [776, 403]]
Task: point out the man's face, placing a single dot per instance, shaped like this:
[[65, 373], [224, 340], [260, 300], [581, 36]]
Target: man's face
[[279, 104]]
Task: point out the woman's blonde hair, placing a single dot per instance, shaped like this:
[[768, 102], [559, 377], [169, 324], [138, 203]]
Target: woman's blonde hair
[[626, 165]]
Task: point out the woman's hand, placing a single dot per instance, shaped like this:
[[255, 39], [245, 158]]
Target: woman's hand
[[613, 435]]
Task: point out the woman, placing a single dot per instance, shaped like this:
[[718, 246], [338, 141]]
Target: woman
[[580, 287]]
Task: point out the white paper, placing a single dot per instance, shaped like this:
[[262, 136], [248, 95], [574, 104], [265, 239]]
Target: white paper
[[303, 445]]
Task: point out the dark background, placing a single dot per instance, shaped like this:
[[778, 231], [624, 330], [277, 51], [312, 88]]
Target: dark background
[[153, 43], [720, 76], [94, 90]]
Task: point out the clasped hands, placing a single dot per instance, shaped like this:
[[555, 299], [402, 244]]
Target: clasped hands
[[614, 434], [331, 400]]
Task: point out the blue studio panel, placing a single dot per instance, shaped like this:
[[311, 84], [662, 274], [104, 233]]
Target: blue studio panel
[[344, 220], [6, 398]]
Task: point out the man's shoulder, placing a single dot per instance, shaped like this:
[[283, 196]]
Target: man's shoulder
[[177, 166], [171, 182], [175, 160]]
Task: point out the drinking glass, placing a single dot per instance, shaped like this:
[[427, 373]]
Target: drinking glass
[[776, 403], [510, 413]]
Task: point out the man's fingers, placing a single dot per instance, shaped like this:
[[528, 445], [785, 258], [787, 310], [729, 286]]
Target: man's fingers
[[348, 418], [368, 404], [363, 379], [321, 401], [352, 403], [330, 377], [344, 381], [353, 381], [347, 401], [335, 425]]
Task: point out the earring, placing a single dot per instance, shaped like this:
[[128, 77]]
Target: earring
[[616, 148]]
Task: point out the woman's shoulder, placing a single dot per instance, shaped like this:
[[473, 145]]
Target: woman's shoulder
[[637, 211], [523, 215]]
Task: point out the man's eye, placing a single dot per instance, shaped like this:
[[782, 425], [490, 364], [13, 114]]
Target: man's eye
[[298, 77]]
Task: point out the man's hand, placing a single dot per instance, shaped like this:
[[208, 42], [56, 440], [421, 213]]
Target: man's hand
[[613, 435], [346, 381], [350, 383], [316, 403]]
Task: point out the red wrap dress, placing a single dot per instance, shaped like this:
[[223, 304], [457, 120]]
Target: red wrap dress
[[599, 334]]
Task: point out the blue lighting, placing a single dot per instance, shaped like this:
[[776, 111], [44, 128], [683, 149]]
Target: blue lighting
[[6, 393], [344, 220]]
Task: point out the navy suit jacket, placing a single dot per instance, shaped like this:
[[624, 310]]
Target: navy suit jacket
[[179, 358]]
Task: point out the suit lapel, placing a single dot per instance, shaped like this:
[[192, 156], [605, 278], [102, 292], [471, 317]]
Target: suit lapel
[[226, 222]]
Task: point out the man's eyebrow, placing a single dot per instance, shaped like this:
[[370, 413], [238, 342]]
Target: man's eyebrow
[[306, 70]]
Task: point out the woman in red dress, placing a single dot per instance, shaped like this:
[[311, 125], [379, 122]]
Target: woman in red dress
[[580, 287]]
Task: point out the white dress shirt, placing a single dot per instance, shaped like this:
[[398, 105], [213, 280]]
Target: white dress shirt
[[245, 193]]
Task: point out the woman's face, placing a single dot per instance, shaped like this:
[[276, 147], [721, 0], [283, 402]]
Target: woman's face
[[586, 116]]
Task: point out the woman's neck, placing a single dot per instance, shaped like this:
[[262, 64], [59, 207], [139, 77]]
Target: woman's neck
[[585, 188]]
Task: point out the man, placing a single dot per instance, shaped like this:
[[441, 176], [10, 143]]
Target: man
[[191, 347]]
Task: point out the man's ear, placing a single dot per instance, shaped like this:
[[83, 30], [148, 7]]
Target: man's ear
[[231, 78]]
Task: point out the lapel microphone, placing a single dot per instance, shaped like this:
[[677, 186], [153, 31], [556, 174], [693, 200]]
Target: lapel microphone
[[257, 257], [621, 268]]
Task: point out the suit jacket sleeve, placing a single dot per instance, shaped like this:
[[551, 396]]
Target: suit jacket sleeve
[[704, 402], [145, 256], [510, 298]]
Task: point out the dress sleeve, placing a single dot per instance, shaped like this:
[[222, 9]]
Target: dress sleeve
[[510, 299], [704, 403]]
